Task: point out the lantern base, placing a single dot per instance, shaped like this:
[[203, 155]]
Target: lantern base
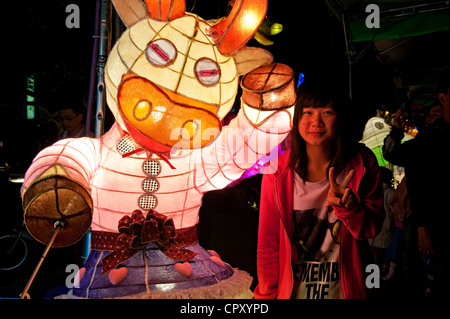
[[150, 274]]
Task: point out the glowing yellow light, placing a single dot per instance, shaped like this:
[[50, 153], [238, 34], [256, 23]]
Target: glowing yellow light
[[249, 20], [239, 26]]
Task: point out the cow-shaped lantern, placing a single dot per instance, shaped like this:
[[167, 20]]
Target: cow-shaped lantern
[[170, 80]]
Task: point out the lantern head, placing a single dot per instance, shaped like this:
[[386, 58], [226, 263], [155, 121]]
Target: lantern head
[[168, 82]]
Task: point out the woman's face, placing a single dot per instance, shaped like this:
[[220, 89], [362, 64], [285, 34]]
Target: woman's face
[[318, 126]]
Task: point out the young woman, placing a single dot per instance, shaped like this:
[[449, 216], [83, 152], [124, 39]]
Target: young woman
[[320, 206]]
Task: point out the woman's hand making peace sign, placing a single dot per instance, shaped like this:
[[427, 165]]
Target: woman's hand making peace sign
[[340, 195]]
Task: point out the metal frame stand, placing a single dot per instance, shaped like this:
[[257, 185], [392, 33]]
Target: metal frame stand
[[59, 225]]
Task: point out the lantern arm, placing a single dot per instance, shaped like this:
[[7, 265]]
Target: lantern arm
[[71, 158], [267, 90], [263, 122], [239, 146], [70, 162], [258, 118], [56, 189]]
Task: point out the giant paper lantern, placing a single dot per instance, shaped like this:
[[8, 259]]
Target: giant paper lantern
[[169, 82]]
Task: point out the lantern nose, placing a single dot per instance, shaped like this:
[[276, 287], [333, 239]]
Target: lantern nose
[[158, 122]]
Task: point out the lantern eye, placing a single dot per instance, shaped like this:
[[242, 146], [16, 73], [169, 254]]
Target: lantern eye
[[207, 71], [161, 53]]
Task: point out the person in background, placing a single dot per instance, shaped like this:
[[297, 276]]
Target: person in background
[[72, 120], [426, 160], [435, 112], [380, 244], [320, 206], [401, 211]]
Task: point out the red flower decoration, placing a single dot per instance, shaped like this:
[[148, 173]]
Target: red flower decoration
[[137, 231]]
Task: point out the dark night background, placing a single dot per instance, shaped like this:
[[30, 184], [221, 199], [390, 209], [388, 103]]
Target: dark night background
[[36, 41]]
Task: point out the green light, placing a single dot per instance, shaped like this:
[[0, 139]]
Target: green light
[[30, 112], [30, 108]]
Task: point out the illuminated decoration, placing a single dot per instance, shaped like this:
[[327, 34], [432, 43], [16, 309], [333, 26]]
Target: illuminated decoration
[[266, 30], [301, 78], [198, 82], [30, 106], [269, 87], [269, 28], [413, 131], [374, 133], [239, 26], [169, 86], [166, 10], [54, 197]]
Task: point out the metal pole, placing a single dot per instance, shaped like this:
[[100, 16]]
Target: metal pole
[[349, 54], [92, 78], [100, 45], [59, 225], [101, 61]]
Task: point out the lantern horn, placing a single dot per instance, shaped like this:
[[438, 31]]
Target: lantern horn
[[166, 10], [239, 26]]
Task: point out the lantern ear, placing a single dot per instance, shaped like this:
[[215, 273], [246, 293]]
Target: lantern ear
[[239, 26], [130, 11], [250, 58]]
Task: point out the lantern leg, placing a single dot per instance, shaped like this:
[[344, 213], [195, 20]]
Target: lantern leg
[[59, 225]]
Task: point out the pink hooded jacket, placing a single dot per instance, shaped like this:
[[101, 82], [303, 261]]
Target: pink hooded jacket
[[360, 223]]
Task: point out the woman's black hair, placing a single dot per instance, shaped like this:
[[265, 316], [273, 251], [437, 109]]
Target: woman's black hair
[[317, 92]]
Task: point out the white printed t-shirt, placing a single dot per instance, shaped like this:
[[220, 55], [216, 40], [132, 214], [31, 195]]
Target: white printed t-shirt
[[315, 241]]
